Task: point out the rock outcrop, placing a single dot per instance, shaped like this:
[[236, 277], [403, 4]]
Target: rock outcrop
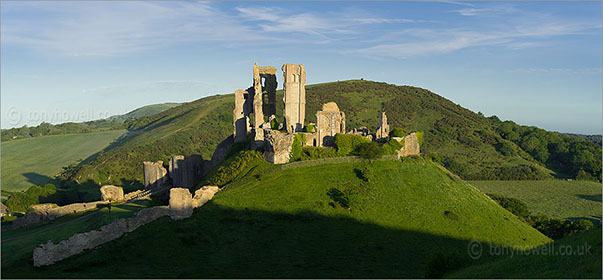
[[277, 146], [112, 193], [155, 176]]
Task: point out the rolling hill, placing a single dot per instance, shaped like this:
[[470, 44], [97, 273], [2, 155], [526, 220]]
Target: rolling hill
[[35, 161], [143, 112], [387, 219], [469, 144]]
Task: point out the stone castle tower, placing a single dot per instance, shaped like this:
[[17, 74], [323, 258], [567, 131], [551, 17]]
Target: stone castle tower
[[294, 81]]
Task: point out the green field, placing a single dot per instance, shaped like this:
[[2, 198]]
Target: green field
[[17, 253], [554, 198], [36, 160], [573, 257], [266, 226]]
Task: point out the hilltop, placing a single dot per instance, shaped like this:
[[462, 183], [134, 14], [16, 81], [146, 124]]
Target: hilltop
[[381, 220], [467, 143]]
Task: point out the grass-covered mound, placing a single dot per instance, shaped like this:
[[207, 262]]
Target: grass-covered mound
[[353, 220], [573, 257]]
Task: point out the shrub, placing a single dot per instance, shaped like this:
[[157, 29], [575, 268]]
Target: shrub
[[370, 151], [584, 176], [436, 158], [339, 198], [506, 148], [274, 124], [420, 137], [20, 201], [310, 128], [557, 228], [398, 132], [513, 205], [310, 153], [366, 173], [8, 219], [228, 173], [347, 143], [297, 147], [392, 146]]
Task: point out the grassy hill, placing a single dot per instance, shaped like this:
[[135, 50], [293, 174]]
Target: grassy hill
[[398, 217], [35, 161], [568, 258], [469, 144], [144, 111], [554, 198]]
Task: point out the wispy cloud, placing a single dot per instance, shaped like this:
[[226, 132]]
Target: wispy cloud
[[117, 28], [418, 42]]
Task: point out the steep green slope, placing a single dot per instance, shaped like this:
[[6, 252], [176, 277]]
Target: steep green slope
[[465, 142], [280, 223], [144, 111], [554, 198], [573, 257], [192, 128], [34, 161]]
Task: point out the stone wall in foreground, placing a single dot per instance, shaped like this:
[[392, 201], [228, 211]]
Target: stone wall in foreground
[[181, 206]]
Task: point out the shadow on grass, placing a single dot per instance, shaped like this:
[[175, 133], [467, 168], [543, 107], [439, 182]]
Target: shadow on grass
[[591, 197], [219, 242]]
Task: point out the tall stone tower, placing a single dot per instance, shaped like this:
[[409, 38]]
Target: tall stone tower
[[383, 128], [294, 86]]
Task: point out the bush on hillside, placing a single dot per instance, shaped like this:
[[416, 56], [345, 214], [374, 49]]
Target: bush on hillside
[[513, 205], [339, 198], [310, 153], [398, 132], [347, 143], [366, 173], [297, 147], [370, 151], [392, 146], [557, 228], [21, 201], [506, 148], [228, 173], [420, 137], [584, 176]]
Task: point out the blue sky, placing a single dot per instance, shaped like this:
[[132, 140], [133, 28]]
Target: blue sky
[[537, 63]]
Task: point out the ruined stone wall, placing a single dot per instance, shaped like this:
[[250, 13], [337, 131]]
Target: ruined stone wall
[[186, 171], [277, 148], [181, 206], [383, 128], [241, 116], [49, 253], [294, 89], [49, 211], [411, 146], [112, 193], [329, 122], [155, 176]]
